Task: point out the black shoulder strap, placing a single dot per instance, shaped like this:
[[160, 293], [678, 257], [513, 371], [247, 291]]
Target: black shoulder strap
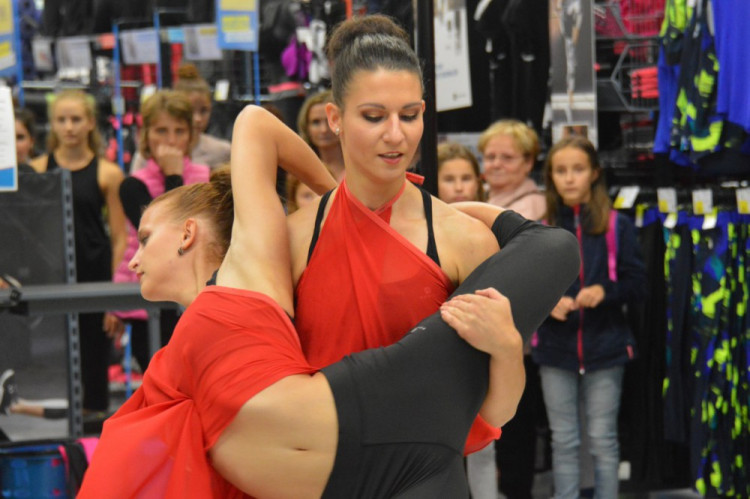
[[318, 221], [431, 246]]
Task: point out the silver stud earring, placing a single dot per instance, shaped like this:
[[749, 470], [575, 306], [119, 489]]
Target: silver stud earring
[[337, 132], [180, 251]]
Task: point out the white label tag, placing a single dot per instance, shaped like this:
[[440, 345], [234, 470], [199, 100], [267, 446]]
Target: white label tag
[[743, 200], [703, 201], [671, 221], [221, 91], [626, 197], [667, 199], [709, 220]]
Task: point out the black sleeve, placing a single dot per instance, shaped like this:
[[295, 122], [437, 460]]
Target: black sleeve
[[508, 225], [134, 196]]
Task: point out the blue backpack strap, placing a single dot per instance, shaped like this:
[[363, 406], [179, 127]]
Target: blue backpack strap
[[611, 237]]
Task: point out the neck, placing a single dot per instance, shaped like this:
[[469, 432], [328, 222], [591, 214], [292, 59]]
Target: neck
[[373, 195], [203, 270], [504, 190], [333, 158]]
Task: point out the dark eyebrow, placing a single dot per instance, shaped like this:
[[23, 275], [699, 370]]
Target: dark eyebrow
[[380, 106]]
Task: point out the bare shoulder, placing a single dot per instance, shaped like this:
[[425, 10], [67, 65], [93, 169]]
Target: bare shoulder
[[462, 240], [39, 163], [110, 170]]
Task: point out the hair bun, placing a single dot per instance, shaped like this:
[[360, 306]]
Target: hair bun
[[347, 32], [188, 71]]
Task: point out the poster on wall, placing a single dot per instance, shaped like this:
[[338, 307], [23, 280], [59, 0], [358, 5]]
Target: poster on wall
[[140, 46], [237, 22], [201, 42], [7, 52], [573, 99], [452, 72], [8, 165]]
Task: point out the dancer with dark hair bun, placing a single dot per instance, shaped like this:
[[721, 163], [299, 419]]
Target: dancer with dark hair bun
[[231, 407]]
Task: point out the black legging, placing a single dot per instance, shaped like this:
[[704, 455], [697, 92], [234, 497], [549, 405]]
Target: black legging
[[405, 410]]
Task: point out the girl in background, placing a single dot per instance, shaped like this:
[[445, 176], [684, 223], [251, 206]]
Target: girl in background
[[298, 194], [165, 140], [459, 178], [74, 143], [583, 346], [24, 138], [204, 149], [312, 126]]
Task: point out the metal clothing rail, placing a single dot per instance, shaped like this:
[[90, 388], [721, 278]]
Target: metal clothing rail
[[71, 299]]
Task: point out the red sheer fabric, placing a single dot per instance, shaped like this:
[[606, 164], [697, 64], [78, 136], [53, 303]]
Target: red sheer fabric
[[365, 287], [229, 345]]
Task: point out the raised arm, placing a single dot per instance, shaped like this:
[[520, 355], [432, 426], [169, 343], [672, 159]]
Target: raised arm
[[258, 256]]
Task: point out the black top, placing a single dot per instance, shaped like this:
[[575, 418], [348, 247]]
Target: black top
[[93, 247]]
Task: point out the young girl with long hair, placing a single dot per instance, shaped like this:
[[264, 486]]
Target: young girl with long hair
[[74, 144], [583, 346]]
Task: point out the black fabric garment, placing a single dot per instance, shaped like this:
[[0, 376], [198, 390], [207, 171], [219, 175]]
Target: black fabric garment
[[93, 248], [67, 17], [93, 264], [436, 380], [655, 462], [135, 197], [519, 60]]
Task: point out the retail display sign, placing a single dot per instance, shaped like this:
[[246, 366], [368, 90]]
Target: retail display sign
[[7, 52], [573, 80], [452, 71], [41, 53], [237, 24], [8, 165], [140, 46], [73, 52], [201, 42]]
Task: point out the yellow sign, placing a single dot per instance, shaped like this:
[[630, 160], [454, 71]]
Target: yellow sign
[[235, 24], [5, 49], [6, 17], [237, 5]]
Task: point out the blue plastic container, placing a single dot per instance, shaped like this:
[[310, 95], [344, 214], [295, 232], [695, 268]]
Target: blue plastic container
[[35, 471]]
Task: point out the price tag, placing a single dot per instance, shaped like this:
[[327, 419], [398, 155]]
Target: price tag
[[640, 212], [703, 201], [667, 197], [709, 219], [671, 221], [147, 91], [221, 90], [743, 200], [626, 197]]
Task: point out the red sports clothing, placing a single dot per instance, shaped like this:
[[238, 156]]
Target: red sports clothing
[[365, 286], [229, 345]]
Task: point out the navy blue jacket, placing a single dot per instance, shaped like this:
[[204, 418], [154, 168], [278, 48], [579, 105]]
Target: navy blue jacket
[[605, 339]]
